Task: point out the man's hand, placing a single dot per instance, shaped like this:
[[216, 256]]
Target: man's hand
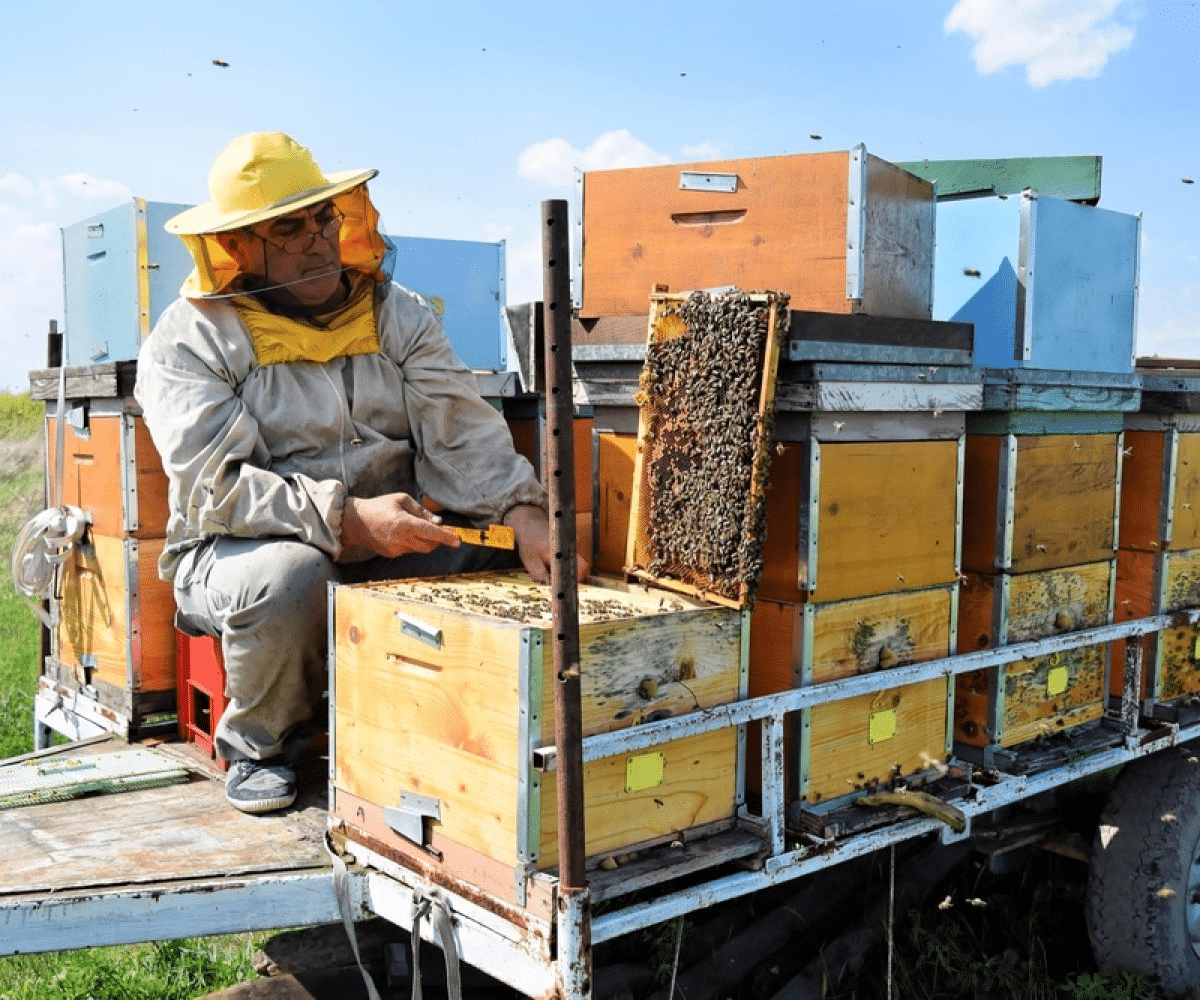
[[393, 525], [531, 525]]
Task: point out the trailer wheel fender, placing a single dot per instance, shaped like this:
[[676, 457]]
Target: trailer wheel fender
[[1143, 900]]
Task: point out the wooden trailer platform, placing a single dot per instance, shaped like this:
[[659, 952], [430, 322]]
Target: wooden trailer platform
[[156, 863]]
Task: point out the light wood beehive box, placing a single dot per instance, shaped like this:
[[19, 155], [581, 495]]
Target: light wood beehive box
[[1046, 694], [443, 688]]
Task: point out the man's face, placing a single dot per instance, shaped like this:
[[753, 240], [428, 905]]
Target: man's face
[[299, 251]]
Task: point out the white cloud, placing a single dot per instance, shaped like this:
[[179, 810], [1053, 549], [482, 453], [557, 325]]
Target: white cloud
[[33, 210], [703, 151], [1053, 39], [556, 161]]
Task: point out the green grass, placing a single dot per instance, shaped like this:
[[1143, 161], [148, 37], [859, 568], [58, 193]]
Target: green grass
[[166, 970], [20, 498], [20, 416]]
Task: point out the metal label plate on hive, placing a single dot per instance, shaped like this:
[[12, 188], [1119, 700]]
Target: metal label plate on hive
[[692, 180]]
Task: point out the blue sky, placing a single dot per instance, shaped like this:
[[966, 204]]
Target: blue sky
[[476, 112]]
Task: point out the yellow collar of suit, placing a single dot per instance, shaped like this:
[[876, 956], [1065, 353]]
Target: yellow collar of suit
[[277, 339]]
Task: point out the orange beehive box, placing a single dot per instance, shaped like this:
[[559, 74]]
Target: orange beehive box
[[111, 469], [840, 232], [116, 636]]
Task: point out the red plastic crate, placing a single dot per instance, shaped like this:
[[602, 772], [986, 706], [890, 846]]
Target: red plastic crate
[[201, 686]]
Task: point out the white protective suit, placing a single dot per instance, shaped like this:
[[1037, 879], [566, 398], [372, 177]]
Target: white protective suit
[[268, 454]]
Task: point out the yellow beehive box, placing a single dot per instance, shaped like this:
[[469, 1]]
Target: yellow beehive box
[[443, 688], [1047, 694], [867, 740], [1039, 501]]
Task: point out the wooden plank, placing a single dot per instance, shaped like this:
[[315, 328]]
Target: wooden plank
[[982, 502], [697, 787], [152, 835], [1144, 468], [1044, 422], [784, 228], [615, 461], [781, 545], [887, 518], [1065, 500], [773, 667], [1073, 178], [896, 250], [870, 331], [68, 921], [1031, 396], [1136, 595], [861, 636], [881, 397], [805, 327], [104, 381]]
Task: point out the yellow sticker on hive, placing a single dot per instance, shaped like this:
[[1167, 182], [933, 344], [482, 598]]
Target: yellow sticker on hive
[[644, 771], [1056, 680], [1196, 649], [882, 725]]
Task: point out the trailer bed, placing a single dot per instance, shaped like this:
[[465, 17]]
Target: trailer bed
[[162, 862]]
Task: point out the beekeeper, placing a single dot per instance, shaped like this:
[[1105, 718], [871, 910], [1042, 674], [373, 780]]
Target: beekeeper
[[310, 414]]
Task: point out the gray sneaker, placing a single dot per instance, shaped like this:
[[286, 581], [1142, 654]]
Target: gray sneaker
[[260, 786]]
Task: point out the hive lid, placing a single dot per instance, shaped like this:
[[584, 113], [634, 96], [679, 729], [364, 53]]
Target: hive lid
[[706, 411]]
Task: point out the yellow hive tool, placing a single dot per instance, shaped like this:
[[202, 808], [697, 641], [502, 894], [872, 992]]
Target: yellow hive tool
[[494, 536]]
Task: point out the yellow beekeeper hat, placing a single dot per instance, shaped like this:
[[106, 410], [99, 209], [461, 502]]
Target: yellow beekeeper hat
[[257, 177]]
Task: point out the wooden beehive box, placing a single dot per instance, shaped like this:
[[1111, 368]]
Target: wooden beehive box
[[442, 689], [1160, 483], [1046, 694], [1038, 501], [840, 232], [1151, 583], [866, 741], [111, 469], [116, 636]]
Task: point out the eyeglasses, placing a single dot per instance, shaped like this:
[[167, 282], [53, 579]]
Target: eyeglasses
[[292, 234]]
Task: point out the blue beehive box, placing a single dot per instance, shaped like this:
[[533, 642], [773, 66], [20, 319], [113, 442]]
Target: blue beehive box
[[463, 281], [120, 271], [1048, 284]]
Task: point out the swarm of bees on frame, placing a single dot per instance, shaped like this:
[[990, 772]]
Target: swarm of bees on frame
[[705, 441]]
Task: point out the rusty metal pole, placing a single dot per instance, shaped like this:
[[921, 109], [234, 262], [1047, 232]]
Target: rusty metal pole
[[574, 959]]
